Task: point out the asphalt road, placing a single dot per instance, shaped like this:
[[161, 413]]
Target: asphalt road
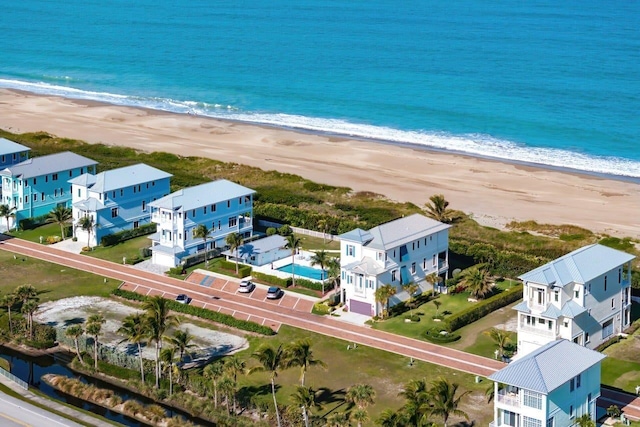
[[16, 413]]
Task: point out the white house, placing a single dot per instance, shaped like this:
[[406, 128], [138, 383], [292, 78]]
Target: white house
[[399, 252], [584, 297], [223, 206], [117, 199], [261, 251], [549, 387]]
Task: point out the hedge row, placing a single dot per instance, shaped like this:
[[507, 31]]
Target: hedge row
[[483, 307], [298, 217], [286, 282], [31, 223], [436, 336], [225, 319], [115, 238], [243, 270]]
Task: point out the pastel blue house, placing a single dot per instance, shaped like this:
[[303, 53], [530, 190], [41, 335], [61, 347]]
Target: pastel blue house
[[12, 153], [117, 199], [223, 206], [36, 186], [549, 387]]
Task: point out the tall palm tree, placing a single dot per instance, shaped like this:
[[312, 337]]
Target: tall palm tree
[[9, 301], [88, 224], [272, 360], [299, 354], [500, 337], [444, 400], [434, 279], [30, 307], [181, 341], [60, 215], [213, 372], [361, 395], [232, 367], [417, 402], [75, 332], [159, 319], [337, 419], [293, 243], [333, 270], [359, 415], [168, 357], [6, 212], [25, 293], [391, 418], [383, 294], [234, 240], [321, 258], [202, 232], [94, 327], [438, 209], [477, 281], [134, 328], [411, 289], [227, 388], [322, 225], [305, 399]]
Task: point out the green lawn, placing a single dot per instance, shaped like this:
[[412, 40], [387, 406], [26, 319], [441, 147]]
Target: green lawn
[[309, 243], [622, 374], [34, 235], [129, 249]]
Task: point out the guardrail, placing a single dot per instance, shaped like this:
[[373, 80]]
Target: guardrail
[[13, 378]]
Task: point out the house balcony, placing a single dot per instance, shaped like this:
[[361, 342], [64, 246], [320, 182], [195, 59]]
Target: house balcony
[[508, 398], [542, 332], [534, 306]]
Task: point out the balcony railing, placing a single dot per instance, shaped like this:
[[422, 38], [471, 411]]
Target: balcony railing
[[544, 332], [509, 398]]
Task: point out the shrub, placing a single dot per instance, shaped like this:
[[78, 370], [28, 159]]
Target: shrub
[[436, 335], [114, 239], [271, 280], [608, 343], [484, 307], [53, 239], [285, 230], [271, 231], [412, 317], [145, 252], [243, 270]]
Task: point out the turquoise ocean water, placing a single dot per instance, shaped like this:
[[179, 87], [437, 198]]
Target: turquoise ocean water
[[555, 83]]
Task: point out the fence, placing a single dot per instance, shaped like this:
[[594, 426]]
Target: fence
[[13, 378], [299, 230]]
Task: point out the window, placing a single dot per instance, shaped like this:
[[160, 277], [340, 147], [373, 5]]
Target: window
[[435, 260], [219, 225], [613, 303], [577, 293], [144, 205], [239, 200], [532, 399], [81, 171], [233, 221], [134, 189], [62, 191], [34, 181], [369, 284], [566, 323], [413, 246], [228, 203], [508, 418], [54, 177], [42, 197], [424, 263], [114, 212], [541, 321], [619, 275], [193, 213], [556, 296], [413, 268], [571, 411], [531, 422], [26, 199], [350, 250], [55, 193], [572, 384], [586, 337], [136, 224], [121, 192], [35, 197], [578, 380], [46, 178], [550, 422], [605, 283], [394, 275], [213, 208], [204, 209]]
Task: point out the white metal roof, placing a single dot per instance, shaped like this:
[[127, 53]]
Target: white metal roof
[[202, 195], [45, 165], [9, 147]]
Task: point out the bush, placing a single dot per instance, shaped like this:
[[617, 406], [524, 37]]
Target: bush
[[31, 223], [114, 239], [271, 280], [271, 231], [243, 270], [436, 336], [285, 230], [484, 307], [145, 252], [412, 317], [53, 239], [608, 343]]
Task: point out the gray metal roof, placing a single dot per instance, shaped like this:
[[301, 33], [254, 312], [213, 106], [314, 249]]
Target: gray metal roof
[[572, 309], [548, 367], [89, 205], [10, 147], [202, 195], [365, 266], [258, 246], [579, 266], [357, 235], [127, 176], [522, 307], [84, 180], [45, 165]]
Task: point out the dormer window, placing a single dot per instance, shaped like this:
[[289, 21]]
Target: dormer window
[[556, 296], [577, 293]]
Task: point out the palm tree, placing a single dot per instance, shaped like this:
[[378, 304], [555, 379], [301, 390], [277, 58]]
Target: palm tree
[[60, 215], [167, 357], [94, 327], [585, 421], [322, 225], [234, 366], [437, 304], [434, 279], [333, 270], [337, 419], [444, 400], [213, 372], [30, 307], [477, 281], [25, 293], [158, 321], [416, 407], [181, 341], [305, 399], [202, 232], [438, 209], [361, 395], [391, 418], [75, 332], [88, 224], [227, 388], [234, 240], [134, 328], [6, 212], [299, 354], [411, 289], [272, 360], [359, 416], [293, 243], [320, 258], [500, 337], [9, 301], [383, 294]]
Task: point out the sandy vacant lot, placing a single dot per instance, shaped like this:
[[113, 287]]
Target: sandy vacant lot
[[62, 313]]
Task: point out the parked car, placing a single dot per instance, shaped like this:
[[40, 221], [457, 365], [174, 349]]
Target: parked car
[[274, 292], [246, 286], [183, 299]]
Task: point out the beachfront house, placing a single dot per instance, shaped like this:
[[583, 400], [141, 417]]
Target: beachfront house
[[549, 387], [117, 199], [224, 207], [261, 251], [584, 297], [399, 252], [37, 185], [12, 153]]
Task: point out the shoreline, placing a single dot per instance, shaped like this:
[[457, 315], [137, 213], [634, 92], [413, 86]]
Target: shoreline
[[494, 191]]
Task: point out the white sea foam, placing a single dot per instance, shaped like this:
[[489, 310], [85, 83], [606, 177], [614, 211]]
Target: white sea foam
[[473, 144]]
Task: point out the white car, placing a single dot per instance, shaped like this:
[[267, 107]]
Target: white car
[[183, 299], [246, 286]]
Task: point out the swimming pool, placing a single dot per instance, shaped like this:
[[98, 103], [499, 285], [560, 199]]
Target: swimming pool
[[304, 271]]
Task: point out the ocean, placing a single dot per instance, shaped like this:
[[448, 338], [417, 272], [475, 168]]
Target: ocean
[[544, 82]]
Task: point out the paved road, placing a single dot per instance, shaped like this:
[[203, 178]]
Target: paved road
[[16, 413]]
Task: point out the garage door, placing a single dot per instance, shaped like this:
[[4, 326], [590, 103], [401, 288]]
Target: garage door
[[360, 307]]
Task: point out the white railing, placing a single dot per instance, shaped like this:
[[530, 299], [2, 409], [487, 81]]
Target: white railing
[[13, 378], [538, 331], [510, 399]]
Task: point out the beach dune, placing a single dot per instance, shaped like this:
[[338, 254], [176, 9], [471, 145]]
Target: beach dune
[[494, 192]]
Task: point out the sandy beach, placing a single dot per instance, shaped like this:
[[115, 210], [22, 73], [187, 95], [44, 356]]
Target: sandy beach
[[494, 192]]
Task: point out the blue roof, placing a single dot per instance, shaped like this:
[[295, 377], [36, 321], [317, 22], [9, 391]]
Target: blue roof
[[202, 195], [116, 179], [45, 165], [579, 266], [10, 147], [548, 367], [357, 235]]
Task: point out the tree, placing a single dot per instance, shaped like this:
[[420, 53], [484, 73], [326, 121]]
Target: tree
[[134, 328], [361, 395], [411, 289], [437, 304], [333, 271], [434, 279], [158, 321], [75, 332], [272, 360], [585, 421], [359, 416], [202, 232], [477, 281], [391, 418], [337, 419], [94, 327], [293, 243], [500, 337], [6, 212], [444, 400], [25, 293], [88, 224], [320, 258], [322, 226], [227, 388], [213, 372], [234, 240], [60, 215], [299, 354], [234, 366], [383, 294], [9, 301], [181, 341], [417, 402], [305, 399], [28, 308], [438, 209], [167, 358]]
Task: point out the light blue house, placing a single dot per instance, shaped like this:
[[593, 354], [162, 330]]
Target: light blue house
[[12, 153], [223, 206], [549, 387], [36, 186], [117, 199]]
